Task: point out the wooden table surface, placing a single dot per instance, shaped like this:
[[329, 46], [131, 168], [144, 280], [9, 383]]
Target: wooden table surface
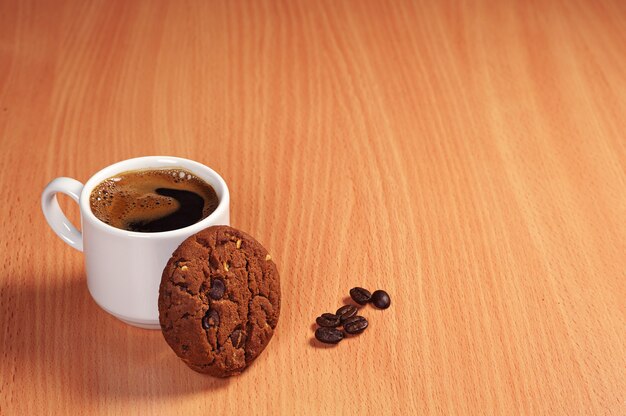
[[469, 157]]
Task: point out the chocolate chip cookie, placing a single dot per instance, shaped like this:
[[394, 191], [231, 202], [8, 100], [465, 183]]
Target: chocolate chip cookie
[[219, 300]]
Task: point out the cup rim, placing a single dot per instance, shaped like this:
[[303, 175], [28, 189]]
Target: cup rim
[[202, 171]]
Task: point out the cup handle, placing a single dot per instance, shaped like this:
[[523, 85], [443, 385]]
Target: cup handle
[[52, 211]]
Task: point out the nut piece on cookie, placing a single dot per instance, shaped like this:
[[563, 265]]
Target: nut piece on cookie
[[221, 313]]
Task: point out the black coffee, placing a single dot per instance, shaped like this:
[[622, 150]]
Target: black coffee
[[153, 200]]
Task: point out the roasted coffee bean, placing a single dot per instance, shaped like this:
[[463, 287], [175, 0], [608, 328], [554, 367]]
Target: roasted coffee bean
[[380, 299], [217, 289], [360, 295], [328, 335], [238, 338], [355, 325], [328, 320], [210, 319], [345, 312]]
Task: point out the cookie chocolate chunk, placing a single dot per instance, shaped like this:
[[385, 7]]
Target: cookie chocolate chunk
[[219, 301]]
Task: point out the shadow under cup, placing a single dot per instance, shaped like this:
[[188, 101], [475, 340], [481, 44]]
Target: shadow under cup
[[124, 267]]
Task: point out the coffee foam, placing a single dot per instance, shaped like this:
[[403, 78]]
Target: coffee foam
[[131, 197]]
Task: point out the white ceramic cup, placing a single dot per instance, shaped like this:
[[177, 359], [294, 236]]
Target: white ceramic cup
[[124, 267]]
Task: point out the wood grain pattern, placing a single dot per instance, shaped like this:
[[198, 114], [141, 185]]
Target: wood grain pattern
[[469, 157]]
